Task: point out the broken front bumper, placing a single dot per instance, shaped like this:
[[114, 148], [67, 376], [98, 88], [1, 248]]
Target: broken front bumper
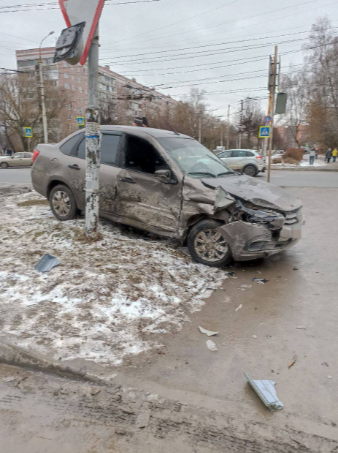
[[249, 241]]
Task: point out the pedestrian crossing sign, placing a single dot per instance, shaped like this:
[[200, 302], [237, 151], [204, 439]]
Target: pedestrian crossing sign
[[28, 132], [80, 120], [264, 131]]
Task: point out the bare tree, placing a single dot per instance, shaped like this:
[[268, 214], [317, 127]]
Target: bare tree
[[20, 107], [249, 119]]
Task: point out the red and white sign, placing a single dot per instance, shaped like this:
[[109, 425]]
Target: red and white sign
[[89, 11]]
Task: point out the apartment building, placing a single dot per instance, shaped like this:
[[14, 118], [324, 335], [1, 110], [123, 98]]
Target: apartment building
[[121, 98]]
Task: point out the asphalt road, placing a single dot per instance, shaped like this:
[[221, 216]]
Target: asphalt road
[[280, 178]]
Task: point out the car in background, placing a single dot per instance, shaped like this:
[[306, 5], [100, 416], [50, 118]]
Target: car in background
[[247, 161], [17, 160]]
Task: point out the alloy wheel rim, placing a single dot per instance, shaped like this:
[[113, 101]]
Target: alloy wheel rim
[[210, 245], [61, 203], [250, 171]]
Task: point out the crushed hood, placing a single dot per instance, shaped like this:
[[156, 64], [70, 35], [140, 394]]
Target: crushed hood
[[255, 191]]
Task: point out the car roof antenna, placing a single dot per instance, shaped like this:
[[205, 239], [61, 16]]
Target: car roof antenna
[[175, 132]]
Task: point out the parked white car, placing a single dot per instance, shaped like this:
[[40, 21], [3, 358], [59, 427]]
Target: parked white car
[[247, 161]]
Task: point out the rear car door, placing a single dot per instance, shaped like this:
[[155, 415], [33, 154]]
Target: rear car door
[[226, 157], [27, 159], [239, 158], [16, 160], [143, 200], [109, 169]]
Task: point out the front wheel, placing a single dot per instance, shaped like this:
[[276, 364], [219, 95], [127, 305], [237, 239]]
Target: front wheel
[[250, 170], [4, 165], [62, 203], [207, 245]]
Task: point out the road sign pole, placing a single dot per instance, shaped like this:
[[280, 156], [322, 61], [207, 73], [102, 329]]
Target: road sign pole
[[272, 108], [228, 127], [93, 139]]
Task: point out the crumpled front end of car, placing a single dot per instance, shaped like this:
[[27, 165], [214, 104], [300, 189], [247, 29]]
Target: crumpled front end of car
[[254, 232]]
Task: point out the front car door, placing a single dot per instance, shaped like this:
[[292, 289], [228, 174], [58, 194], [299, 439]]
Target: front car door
[[226, 157], [16, 160], [27, 159], [143, 200]]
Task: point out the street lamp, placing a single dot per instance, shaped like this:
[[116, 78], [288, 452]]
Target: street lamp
[[44, 115]]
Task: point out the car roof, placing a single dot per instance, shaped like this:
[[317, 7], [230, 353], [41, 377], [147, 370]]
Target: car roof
[[144, 131]]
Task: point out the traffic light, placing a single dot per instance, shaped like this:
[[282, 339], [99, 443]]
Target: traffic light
[[70, 44]]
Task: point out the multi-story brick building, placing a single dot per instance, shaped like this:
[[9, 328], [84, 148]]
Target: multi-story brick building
[[121, 99]]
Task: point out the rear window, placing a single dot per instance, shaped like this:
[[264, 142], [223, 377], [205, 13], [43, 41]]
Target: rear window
[[109, 148], [249, 154], [70, 145], [239, 153], [28, 156]]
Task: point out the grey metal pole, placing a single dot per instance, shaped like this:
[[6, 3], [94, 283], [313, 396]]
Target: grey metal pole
[[228, 128], [240, 132], [43, 105], [93, 142], [221, 133], [273, 92], [200, 129]]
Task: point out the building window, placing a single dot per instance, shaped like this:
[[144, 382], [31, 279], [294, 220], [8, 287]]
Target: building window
[[69, 116], [80, 89], [69, 127], [73, 78], [73, 87], [75, 109], [65, 64], [80, 111], [79, 79], [67, 86], [68, 106], [66, 75]]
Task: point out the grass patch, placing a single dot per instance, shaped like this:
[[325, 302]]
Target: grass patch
[[33, 203]]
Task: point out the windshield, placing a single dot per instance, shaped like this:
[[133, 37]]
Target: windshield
[[193, 158]]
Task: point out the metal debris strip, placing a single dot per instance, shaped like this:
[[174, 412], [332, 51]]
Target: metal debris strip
[[47, 263], [266, 392], [293, 361], [209, 333], [260, 281]]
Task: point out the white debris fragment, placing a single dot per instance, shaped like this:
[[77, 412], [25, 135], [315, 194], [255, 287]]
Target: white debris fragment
[[211, 345], [301, 327], [238, 308], [246, 286], [330, 377], [266, 392], [255, 337], [209, 333]]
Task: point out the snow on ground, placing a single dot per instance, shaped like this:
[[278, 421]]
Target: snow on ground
[[105, 300]]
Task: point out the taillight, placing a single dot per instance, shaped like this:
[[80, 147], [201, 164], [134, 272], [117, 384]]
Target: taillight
[[259, 157], [35, 155]]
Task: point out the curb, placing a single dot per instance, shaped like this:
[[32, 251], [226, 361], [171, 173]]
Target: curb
[[304, 169], [17, 356]]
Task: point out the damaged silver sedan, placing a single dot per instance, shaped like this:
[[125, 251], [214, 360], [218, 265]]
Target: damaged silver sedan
[[169, 184]]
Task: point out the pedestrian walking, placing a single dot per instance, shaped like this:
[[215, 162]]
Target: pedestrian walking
[[328, 155], [312, 155], [334, 155]]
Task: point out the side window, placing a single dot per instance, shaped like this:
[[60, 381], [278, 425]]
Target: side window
[[141, 156], [239, 153], [81, 151], [18, 155], [235, 154], [249, 154], [27, 155], [227, 154], [109, 148], [70, 145]]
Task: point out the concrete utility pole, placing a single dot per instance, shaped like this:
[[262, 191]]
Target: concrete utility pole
[[93, 142], [228, 128], [221, 133], [271, 110], [200, 129], [240, 131], [42, 88]]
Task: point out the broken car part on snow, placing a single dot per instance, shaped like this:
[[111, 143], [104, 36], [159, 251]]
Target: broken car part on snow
[[169, 184], [47, 263], [266, 392]]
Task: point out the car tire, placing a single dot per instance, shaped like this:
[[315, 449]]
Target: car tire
[[250, 170], [206, 230], [4, 165], [63, 203]]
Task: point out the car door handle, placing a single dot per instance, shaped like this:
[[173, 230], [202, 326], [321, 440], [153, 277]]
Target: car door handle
[[128, 180], [74, 167]]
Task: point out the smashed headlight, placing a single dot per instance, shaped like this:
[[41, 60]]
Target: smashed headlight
[[254, 214]]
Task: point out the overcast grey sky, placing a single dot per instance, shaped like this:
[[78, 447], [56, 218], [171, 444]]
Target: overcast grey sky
[[221, 46]]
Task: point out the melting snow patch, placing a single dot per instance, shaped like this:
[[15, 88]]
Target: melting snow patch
[[105, 300]]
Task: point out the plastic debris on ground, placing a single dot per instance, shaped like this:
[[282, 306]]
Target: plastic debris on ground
[[293, 361], [301, 327], [209, 333], [47, 263], [246, 286], [231, 274], [295, 269], [266, 392], [255, 337], [211, 346], [260, 281], [238, 308]]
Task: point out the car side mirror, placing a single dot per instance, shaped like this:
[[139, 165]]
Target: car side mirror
[[163, 176]]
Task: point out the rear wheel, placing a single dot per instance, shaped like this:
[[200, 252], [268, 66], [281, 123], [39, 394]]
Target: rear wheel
[[250, 170], [4, 165], [63, 203], [207, 245]]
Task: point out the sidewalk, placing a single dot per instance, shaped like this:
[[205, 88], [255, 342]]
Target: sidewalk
[[319, 165]]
